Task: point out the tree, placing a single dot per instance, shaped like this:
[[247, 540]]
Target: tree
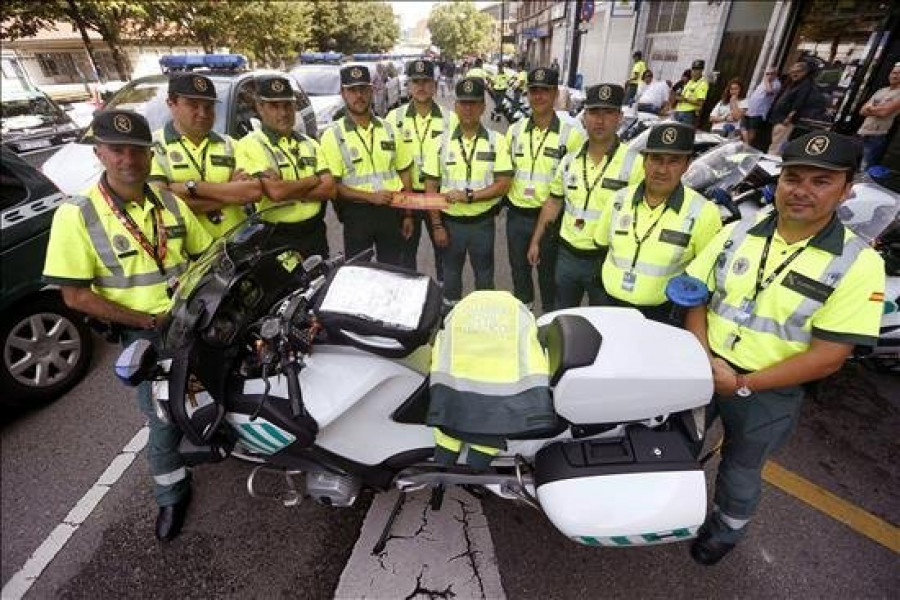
[[350, 26], [109, 18], [458, 28]]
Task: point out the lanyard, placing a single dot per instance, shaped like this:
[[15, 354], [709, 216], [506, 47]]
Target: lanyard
[[424, 135], [607, 159], [762, 285], [370, 148], [640, 241], [158, 254], [294, 163], [468, 159], [201, 167], [536, 155]]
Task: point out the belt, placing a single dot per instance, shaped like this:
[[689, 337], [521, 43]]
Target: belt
[[488, 214], [582, 252], [530, 211]]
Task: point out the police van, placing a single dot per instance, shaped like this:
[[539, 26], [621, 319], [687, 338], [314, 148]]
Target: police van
[[74, 168]]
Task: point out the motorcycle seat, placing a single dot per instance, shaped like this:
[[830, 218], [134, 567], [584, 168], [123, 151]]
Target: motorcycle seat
[[571, 342]]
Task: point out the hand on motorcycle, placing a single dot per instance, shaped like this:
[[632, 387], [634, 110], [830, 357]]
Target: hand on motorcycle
[[724, 377]]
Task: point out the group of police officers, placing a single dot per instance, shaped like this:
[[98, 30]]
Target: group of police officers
[[790, 295]]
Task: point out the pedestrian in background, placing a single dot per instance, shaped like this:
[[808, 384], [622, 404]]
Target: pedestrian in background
[[637, 72], [758, 105], [727, 114], [879, 111], [800, 98], [655, 95], [690, 99]]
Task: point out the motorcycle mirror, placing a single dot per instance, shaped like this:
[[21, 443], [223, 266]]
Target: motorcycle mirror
[[686, 291], [136, 363]]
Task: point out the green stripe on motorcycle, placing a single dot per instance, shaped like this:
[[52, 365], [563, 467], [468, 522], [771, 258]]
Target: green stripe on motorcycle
[[285, 438], [259, 439], [620, 540], [589, 541]]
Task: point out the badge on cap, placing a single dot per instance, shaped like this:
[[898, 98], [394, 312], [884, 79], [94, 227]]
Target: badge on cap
[[277, 86], [816, 145], [539, 75], [356, 73], [200, 84], [605, 92], [468, 87], [122, 123], [420, 67], [669, 135]]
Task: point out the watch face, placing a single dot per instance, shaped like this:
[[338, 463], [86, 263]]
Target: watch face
[[743, 392]]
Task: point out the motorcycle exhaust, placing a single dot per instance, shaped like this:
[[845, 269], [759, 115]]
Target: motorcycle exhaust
[[258, 487]]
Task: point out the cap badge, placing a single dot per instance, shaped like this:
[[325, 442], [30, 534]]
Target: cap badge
[[816, 145], [122, 123], [200, 84], [669, 135], [468, 87], [356, 73], [277, 86], [420, 67], [605, 92], [539, 75]]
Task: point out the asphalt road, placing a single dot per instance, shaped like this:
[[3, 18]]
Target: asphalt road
[[238, 547]]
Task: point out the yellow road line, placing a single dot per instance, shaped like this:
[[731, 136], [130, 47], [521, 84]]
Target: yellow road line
[[835, 507]]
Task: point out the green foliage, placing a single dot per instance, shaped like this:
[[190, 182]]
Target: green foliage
[[351, 26], [458, 29]]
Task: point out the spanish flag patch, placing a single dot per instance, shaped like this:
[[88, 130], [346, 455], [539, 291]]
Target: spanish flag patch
[[877, 297]]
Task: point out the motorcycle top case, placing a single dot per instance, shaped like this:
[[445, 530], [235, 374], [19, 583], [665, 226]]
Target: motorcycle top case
[[643, 488], [634, 369], [380, 308]]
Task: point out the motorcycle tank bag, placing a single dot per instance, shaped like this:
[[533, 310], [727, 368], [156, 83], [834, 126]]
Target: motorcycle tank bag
[[612, 365], [382, 309], [643, 488]]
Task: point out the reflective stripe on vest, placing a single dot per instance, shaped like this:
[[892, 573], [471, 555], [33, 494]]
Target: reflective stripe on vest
[[376, 178], [117, 278], [565, 132], [792, 330], [162, 155], [675, 266], [441, 372], [461, 184]]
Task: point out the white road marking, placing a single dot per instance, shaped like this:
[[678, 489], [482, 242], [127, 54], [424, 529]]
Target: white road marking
[[430, 554], [19, 584]]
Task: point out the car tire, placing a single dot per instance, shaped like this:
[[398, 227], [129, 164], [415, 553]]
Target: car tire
[[45, 349]]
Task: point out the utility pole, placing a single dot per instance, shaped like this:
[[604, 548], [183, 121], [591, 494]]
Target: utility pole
[[502, 20], [575, 52]]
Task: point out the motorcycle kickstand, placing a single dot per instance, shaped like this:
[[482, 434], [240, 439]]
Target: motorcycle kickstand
[[378, 548], [437, 498]]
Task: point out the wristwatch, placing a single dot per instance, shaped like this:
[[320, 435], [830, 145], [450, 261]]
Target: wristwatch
[[470, 195], [191, 186], [153, 322], [742, 390]]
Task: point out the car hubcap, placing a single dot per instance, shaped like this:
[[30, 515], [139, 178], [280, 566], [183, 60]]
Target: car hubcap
[[42, 349]]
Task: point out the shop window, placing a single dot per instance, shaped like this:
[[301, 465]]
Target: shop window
[[48, 64], [665, 17]]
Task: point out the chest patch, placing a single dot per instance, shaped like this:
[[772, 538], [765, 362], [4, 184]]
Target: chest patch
[[806, 286], [613, 184], [176, 156], [678, 238], [121, 243], [221, 161], [486, 156], [740, 266], [625, 222], [176, 231], [553, 152], [387, 145]]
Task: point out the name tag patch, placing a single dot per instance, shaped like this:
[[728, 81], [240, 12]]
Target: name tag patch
[[221, 161], [553, 152], [613, 184], [306, 161], [806, 286], [486, 156], [677, 238], [176, 231], [387, 145]]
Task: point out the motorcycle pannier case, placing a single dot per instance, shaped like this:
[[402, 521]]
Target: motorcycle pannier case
[[381, 309], [643, 488]]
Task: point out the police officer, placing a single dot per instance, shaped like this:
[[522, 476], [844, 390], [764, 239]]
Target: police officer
[[637, 73], [112, 253], [472, 168], [478, 71], [791, 295], [369, 165], [290, 166], [689, 101], [537, 144], [198, 164], [585, 182], [655, 228], [418, 122]]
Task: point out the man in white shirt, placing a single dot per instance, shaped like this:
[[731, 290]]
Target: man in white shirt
[[758, 105], [654, 95]]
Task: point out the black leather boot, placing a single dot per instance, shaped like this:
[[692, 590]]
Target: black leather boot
[[171, 518]]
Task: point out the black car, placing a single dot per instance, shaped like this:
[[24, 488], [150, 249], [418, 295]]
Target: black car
[[45, 347], [33, 125]]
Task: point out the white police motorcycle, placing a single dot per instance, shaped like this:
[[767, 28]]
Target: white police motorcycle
[[319, 370]]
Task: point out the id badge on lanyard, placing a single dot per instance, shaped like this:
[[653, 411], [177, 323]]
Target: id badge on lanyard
[[629, 278]]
